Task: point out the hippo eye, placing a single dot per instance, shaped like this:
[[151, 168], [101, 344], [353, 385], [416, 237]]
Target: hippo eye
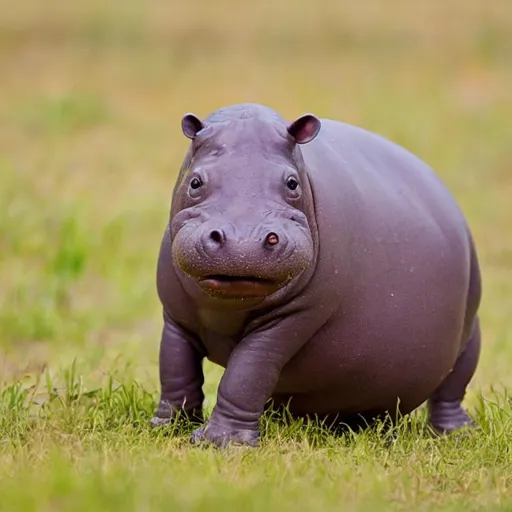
[[292, 183], [195, 183]]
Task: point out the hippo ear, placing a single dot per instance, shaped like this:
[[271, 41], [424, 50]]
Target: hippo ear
[[305, 128], [191, 125]]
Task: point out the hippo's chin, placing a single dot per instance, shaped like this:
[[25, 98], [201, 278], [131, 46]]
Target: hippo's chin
[[233, 287]]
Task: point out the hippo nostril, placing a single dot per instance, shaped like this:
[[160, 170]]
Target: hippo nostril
[[272, 239], [217, 236]]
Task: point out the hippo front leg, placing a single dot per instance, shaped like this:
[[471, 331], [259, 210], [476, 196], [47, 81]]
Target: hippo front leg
[[249, 380], [181, 375]]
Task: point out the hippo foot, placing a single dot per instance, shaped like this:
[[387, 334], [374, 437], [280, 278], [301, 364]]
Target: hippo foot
[[160, 422], [222, 437], [447, 417], [167, 414]]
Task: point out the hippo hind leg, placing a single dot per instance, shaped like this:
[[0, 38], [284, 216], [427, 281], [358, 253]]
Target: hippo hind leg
[[445, 409]]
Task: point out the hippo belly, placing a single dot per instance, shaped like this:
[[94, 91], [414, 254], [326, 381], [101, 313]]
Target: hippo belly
[[334, 374]]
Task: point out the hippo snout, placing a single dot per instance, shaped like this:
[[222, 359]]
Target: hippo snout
[[221, 242], [230, 259]]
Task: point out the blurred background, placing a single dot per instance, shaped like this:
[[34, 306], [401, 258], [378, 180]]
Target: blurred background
[[91, 98]]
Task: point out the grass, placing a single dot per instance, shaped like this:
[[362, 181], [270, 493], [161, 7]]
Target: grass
[[91, 98], [80, 450]]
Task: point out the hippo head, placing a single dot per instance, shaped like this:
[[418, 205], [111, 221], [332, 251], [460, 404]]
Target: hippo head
[[242, 222]]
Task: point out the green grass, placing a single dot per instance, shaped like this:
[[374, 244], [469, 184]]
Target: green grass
[[91, 98], [80, 449]]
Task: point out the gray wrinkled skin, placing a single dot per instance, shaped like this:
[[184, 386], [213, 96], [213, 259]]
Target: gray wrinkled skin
[[323, 266]]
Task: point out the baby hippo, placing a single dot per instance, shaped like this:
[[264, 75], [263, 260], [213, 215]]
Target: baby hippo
[[324, 267]]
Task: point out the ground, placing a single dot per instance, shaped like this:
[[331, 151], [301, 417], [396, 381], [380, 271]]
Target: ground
[[91, 97]]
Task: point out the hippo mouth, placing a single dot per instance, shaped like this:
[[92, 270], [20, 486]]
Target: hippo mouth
[[232, 286]]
